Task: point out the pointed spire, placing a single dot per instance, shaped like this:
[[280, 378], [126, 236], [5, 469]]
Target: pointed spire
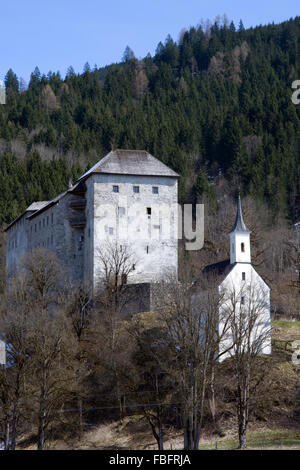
[[239, 225]]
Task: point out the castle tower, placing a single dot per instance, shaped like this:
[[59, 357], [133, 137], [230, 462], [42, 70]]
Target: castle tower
[[240, 238]]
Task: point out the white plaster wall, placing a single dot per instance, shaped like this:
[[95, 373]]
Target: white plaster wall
[[134, 228], [236, 254], [255, 286]]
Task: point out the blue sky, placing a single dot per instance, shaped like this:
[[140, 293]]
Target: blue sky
[[59, 33]]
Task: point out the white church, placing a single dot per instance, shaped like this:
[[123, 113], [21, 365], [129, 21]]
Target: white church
[[242, 290]]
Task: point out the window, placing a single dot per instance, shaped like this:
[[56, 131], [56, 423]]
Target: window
[[136, 189], [121, 210], [115, 189], [243, 247], [147, 249], [133, 267], [110, 230], [243, 276], [242, 300], [155, 189], [149, 212]]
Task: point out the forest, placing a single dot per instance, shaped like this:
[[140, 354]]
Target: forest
[[215, 102], [216, 106]]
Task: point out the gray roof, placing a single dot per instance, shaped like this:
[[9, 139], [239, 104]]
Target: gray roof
[[218, 271], [239, 225], [131, 162], [35, 206]]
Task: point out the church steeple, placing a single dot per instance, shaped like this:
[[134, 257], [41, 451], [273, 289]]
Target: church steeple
[[240, 238], [239, 225]]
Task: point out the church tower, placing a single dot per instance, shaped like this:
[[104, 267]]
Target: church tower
[[240, 238]]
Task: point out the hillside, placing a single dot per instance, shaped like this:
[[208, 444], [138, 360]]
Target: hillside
[[217, 102], [274, 423]]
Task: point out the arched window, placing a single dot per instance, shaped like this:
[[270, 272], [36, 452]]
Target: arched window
[[243, 247]]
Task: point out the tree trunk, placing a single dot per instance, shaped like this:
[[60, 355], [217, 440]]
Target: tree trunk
[[15, 414], [6, 439], [42, 413]]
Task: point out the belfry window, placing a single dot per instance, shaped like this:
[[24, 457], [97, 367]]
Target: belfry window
[[243, 247]]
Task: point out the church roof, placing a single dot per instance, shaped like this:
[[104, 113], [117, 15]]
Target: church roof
[[218, 271], [239, 225], [131, 162]]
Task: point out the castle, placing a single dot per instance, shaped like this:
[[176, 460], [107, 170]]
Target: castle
[[128, 197]]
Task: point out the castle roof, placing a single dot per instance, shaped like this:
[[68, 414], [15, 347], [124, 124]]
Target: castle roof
[[120, 162], [239, 225], [131, 162], [35, 206]]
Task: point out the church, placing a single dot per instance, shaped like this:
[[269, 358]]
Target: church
[[241, 290]]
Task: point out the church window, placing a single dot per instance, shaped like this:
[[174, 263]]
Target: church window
[[149, 212], [136, 189], [115, 189], [243, 247], [242, 300], [155, 189], [147, 249], [243, 276]]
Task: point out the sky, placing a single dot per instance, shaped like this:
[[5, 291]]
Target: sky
[[56, 34]]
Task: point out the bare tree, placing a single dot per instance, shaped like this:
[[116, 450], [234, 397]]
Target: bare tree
[[250, 333], [47, 339], [111, 302], [79, 312], [190, 339]]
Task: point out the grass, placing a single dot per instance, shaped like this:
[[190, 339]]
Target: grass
[[277, 439], [286, 324]]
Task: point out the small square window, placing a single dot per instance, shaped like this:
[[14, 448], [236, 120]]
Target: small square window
[[115, 189], [155, 189], [136, 189]]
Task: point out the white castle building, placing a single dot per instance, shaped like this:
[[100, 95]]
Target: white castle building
[[128, 197]]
